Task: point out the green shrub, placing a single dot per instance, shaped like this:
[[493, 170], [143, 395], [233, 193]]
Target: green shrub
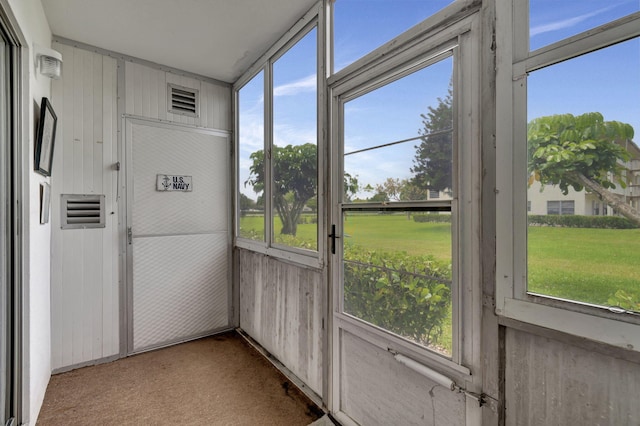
[[578, 221], [439, 218], [292, 241], [407, 295]]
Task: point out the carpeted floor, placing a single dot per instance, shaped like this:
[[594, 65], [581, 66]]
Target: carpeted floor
[[218, 380]]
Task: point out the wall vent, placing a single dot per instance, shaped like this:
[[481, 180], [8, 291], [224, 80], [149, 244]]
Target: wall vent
[[183, 100], [82, 211]]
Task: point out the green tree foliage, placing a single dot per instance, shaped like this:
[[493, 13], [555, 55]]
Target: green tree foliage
[[350, 185], [295, 171], [434, 156], [246, 203], [580, 152], [395, 189]]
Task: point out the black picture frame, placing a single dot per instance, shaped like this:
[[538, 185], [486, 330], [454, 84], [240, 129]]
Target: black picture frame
[[45, 138]]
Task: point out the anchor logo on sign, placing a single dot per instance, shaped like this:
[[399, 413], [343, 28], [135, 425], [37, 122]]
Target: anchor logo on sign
[[166, 182]]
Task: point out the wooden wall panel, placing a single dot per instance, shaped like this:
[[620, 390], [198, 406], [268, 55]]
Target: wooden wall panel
[[84, 267], [549, 382], [281, 308], [146, 96], [378, 390]]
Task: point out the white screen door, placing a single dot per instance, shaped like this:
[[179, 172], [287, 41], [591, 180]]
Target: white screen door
[[178, 234]]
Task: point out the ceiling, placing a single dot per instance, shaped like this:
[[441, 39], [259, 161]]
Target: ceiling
[[214, 38]]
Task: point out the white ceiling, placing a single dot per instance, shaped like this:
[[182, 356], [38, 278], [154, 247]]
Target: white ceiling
[[213, 38]]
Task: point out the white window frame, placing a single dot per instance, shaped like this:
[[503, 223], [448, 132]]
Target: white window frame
[[313, 19], [513, 63]]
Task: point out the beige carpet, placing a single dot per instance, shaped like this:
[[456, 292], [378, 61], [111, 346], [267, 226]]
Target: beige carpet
[[214, 381]]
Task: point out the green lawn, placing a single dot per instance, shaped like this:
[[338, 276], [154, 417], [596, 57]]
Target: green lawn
[[588, 265]]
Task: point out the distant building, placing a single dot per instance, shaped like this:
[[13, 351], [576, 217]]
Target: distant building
[[551, 200]]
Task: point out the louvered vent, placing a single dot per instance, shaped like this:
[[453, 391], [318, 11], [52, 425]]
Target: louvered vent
[[82, 211], [183, 100]]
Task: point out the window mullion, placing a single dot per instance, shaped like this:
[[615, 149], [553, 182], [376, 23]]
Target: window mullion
[[268, 150]]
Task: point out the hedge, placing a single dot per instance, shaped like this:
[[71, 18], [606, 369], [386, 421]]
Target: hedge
[[407, 295], [577, 221], [440, 218]]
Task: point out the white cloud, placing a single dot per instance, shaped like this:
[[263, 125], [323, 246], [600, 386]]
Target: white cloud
[[307, 84], [251, 133], [289, 135], [565, 23]]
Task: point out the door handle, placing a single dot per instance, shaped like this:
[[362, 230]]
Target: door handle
[[333, 237], [129, 235]]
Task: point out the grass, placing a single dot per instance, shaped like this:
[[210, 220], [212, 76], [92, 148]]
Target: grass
[[587, 265]]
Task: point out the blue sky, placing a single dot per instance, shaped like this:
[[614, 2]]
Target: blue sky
[[607, 81]]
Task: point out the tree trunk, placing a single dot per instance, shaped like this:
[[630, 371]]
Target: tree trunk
[[289, 225], [614, 200]]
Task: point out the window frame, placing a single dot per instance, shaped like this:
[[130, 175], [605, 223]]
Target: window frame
[[313, 19], [513, 63]]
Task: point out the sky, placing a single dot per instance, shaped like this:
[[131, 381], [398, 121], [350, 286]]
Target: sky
[[607, 81]]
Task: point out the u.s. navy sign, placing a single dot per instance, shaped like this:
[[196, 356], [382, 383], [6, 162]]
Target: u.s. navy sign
[[167, 183]]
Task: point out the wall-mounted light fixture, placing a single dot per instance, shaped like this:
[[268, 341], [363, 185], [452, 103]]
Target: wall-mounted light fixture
[[48, 62]]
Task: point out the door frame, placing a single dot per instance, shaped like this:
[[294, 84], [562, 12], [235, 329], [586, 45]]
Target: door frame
[[465, 367], [16, 194], [126, 213]]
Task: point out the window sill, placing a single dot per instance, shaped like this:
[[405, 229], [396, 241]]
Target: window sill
[[604, 330], [295, 256]]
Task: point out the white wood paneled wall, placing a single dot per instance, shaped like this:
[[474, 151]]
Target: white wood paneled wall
[[85, 263], [146, 96], [281, 308]]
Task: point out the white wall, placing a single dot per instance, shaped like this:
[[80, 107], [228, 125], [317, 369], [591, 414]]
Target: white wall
[[146, 96], [84, 262], [36, 276]]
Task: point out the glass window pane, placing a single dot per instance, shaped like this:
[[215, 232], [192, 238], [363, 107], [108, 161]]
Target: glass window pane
[[294, 156], [582, 159], [251, 159], [552, 20], [397, 274], [398, 139], [361, 26]]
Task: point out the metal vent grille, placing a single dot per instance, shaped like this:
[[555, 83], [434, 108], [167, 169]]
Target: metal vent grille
[[183, 100], [82, 211]]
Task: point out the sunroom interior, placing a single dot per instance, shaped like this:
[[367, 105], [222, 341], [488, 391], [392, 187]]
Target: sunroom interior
[[424, 212]]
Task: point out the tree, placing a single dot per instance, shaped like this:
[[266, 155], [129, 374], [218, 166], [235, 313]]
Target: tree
[[246, 203], [434, 156], [295, 171], [581, 152], [351, 186], [391, 188], [401, 190]]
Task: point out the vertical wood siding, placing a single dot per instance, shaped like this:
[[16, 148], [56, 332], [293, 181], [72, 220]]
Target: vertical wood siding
[[378, 390], [281, 308], [146, 96], [552, 383], [85, 263]]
